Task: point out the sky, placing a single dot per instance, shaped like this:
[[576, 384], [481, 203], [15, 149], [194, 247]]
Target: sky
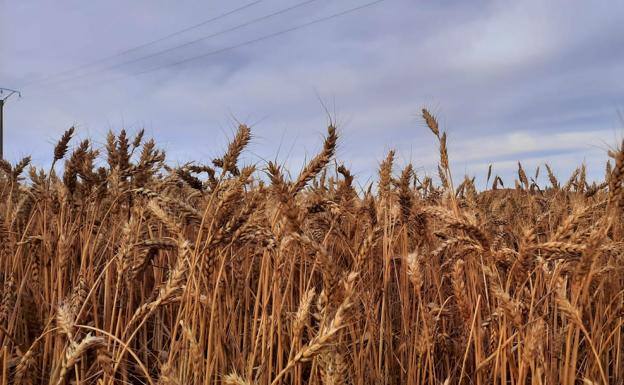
[[530, 81]]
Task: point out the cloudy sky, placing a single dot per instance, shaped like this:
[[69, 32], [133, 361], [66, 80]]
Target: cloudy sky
[[533, 81]]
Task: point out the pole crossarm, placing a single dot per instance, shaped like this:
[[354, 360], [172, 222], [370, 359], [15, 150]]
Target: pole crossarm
[[6, 93]]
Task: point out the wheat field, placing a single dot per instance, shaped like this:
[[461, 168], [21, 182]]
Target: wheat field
[[116, 268]]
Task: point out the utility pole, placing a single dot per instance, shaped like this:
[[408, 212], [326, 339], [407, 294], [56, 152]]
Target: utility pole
[[5, 94]]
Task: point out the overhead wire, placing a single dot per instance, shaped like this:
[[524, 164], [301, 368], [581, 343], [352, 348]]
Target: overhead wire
[[265, 37], [242, 44], [186, 44], [140, 46]]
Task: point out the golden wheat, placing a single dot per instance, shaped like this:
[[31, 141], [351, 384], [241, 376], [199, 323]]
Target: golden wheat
[[125, 270]]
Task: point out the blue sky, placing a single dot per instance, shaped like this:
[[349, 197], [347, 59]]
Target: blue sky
[[532, 81]]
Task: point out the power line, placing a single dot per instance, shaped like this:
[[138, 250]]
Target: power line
[[245, 43], [189, 43], [265, 37], [140, 46]]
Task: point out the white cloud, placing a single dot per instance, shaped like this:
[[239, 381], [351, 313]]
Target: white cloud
[[526, 81]]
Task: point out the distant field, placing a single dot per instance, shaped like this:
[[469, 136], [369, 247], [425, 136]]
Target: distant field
[[139, 273]]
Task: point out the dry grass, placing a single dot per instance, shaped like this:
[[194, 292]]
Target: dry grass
[[135, 272]]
